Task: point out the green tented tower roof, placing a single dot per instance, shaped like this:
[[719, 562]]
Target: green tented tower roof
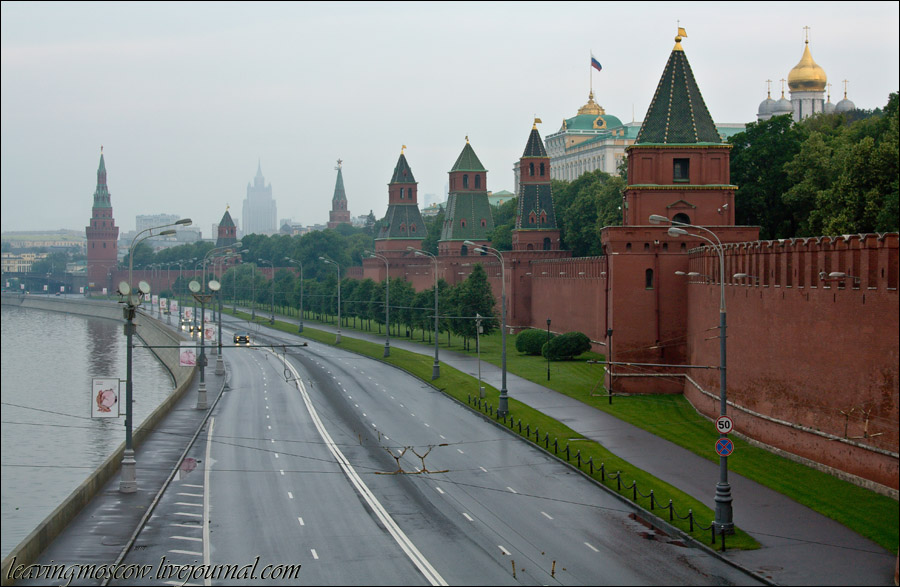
[[467, 160], [402, 172], [678, 114]]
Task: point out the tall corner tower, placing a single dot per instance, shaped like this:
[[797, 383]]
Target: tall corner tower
[[678, 166], [403, 225], [536, 227], [468, 215], [102, 233], [339, 213]]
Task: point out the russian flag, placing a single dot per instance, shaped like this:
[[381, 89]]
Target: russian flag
[[595, 64]]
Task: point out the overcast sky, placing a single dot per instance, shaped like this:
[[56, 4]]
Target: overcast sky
[[186, 98]]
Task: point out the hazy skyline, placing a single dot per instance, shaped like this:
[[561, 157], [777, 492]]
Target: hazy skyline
[[187, 98]]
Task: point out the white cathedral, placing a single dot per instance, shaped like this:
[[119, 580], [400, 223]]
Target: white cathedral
[[807, 83]]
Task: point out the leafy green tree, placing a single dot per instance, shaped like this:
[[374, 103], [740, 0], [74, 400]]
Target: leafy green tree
[[433, 226], [473, 297], [758, 157]]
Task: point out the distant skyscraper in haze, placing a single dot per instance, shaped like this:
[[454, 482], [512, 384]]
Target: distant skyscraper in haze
[[260, 215], [102, 234], [339, 213], [145, 221]]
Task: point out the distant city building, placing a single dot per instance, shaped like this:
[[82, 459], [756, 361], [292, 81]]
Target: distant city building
[[259, 214], [807, 82], [102, 232], [339, 213], [433, 210], [145, 221], [20, 263], [499, 198]]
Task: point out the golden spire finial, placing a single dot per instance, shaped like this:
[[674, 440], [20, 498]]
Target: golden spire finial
[[768, 88], [681, 33], [782, 80], [227, 207], [101, 149], [845, 89], [339, 163], [829, 92], [536, 122], [402, 148], [806, 34], [467, 139]]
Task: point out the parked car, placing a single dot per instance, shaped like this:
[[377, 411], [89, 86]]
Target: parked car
[[241, 338]]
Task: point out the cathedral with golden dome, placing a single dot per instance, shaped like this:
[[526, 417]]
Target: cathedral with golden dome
[[807, 83]]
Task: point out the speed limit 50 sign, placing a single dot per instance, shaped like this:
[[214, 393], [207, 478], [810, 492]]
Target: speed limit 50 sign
[[724, 424]]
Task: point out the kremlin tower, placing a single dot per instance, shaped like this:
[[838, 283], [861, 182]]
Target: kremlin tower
[[102, 234]]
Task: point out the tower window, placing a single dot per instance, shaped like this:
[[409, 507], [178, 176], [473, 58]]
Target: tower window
[[465, 182], [542, 170], [682, 217], [462, 222], [477, 181], [531, 169], [401, 193], [681, 170], [483, 223], [648, 279]]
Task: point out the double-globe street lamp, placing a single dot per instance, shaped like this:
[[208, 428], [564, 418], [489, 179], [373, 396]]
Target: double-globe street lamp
[[436, 368], [289, 260], [128, 478], [724, 514], [387, 301], [329, 261], [220, 364], [503, 403]]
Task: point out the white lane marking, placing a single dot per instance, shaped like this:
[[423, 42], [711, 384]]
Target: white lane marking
[[427, 425], [269, 427], [591, 547], [267, 415], [439, 490], [364, 415], [290, 495], [356, 405], [192, 539], [190, 494], [460, 451], [273, 441], [511, 489], [483, 469], [180, 584], [411, 414], [189, 515], [206, 468], [315, 555], [442, 436], [548, 516], [386, 437], [192, 526], [384, 517], [281, 471], [190, 552], [468, 517], [191, 485], [194, 505], [276, 455], [503, 550], [301, 521], [402, 406]]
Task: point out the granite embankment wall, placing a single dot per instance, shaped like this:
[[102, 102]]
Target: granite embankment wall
[[153, 333]]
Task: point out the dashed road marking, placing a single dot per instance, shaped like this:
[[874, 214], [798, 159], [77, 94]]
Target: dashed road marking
[[290, 495], [511, 489], [189, 552], [468, 517], [503, 550], [301, 521], [460, 451], [314, 553], [591, 547], [548, 516], [483, 469], [439, 490]]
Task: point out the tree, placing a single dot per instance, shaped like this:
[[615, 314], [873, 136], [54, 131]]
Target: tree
[[758, 158], [473, 297], [584, 207]]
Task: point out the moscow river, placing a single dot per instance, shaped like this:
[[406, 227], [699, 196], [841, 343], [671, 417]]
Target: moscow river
[[50, 443]]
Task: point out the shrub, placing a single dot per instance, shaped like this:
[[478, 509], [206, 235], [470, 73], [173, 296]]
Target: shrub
[[531, 341], [566, 346]]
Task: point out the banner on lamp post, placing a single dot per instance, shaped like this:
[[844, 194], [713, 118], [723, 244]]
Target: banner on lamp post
[[105, 398]]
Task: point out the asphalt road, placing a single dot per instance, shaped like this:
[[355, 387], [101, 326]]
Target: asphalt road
[[310, 459]]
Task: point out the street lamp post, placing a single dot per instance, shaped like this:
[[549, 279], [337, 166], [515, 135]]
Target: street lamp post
[[478, 330], [724, 513], [503, 403], [128, 478], [220, 364], [387, 302], [272, 319], [300, 324], [199, 293], [327, 260], [436, 368]]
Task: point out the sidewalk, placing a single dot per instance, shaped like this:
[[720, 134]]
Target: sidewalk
[[799, 546], [100, 532]]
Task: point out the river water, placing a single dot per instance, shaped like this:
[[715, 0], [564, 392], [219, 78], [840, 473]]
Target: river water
[[50, 443]]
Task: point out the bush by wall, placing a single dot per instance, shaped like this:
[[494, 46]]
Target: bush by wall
[[566, 346], [531, 341]]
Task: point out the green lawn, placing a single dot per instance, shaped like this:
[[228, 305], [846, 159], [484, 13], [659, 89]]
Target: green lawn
[[668, 416]]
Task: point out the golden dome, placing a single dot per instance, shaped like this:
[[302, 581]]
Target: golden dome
[[807, 76], [591, 107]]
